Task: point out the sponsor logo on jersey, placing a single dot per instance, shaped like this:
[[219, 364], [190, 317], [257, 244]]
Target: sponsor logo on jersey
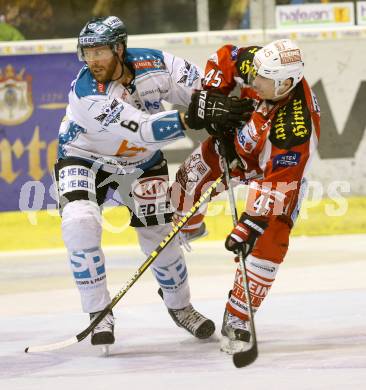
[[193, 75], [241, 137], [315, 102], [189, 74], [158, 63], [248, 137], [289, 159], [292, 123], [111, 113], [148, 64], [151, 91], [125, 95], [101, 87], [151, 188], [151, 209], [279, 125], [247, 68], [234, 53], [298, 122], [127, 149], [15, 96], [152, 105], [245, 60], [193, 170]]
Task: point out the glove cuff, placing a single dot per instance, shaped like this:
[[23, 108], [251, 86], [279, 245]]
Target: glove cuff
[[255, 224], [185, 125]]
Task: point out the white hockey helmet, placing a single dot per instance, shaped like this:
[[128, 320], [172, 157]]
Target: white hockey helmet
[[278, 61]]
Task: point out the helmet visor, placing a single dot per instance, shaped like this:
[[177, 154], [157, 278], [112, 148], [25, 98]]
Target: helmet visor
[[98, 53]]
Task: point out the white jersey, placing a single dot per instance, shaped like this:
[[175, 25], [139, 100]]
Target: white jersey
[[127, 126]]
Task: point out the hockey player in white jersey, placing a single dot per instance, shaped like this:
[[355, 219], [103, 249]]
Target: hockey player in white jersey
[[111, 137]]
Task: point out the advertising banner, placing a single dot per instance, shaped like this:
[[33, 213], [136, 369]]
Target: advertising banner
[[361, 12], [33, 96], [315, 15]]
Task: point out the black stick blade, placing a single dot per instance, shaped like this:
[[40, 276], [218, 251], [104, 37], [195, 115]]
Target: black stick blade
[[244, 358]]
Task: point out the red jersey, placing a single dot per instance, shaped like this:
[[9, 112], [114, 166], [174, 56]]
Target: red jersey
[[276, 145], [221, 73]]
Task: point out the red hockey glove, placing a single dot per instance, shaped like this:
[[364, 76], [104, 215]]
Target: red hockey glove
[[245, 234]]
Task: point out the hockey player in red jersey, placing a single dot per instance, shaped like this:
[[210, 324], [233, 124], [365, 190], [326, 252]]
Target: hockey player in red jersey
[[271, 153]]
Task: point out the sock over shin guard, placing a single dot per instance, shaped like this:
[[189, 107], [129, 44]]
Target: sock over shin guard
[[261, 274], [82, 230]]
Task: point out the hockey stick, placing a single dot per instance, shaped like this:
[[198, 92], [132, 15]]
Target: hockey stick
[[242, 358], [176, 229]]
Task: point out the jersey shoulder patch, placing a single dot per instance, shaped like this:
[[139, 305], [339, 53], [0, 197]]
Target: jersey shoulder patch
[[145, 60], [234, 53], [86, 85], [292, 124]]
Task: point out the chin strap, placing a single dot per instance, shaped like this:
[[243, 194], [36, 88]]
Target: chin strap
[[120, 61], [122, 68]]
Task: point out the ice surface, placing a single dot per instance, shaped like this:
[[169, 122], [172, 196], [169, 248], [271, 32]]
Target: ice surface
[[311, 329]]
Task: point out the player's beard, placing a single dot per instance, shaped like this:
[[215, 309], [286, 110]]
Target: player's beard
[[104, 73]]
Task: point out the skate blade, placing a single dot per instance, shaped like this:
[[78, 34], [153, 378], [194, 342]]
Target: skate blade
[[105, 350], [232, 346]]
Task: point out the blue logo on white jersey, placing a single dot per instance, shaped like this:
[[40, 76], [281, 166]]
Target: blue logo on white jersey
[[152, 105], [110, 113]]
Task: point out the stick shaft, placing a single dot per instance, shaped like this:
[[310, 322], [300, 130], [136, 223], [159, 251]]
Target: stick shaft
[[242, 256]]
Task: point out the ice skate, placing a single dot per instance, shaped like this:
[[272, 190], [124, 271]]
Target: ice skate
[[185, 238], [103, 333], [235, 334], [192, 321], [195, 234]]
